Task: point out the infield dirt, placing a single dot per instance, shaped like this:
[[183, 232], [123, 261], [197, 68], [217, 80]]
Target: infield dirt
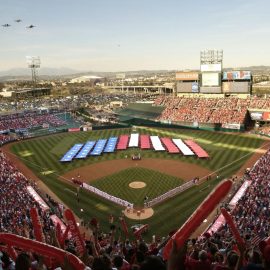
[[182, 170]]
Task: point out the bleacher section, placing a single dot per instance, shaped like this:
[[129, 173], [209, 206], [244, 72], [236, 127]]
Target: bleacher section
[[98, 149], [111, 145], [201, 153], [134, 140], [71, 153], [157, 143], [123, 142], [170, 146], [183, 147], [145, 142], [220, 221], [207, 110], [86, 149]]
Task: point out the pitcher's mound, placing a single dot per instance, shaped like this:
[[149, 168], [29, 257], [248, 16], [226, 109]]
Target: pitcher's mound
[[137, 184], [139, 214]]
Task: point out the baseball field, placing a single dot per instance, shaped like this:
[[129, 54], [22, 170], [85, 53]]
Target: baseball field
[[114, 173]]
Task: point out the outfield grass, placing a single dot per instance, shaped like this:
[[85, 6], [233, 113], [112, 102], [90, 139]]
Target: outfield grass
[[227, 151]]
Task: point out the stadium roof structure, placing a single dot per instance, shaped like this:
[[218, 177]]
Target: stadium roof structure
[[27, 90], [84, 78]]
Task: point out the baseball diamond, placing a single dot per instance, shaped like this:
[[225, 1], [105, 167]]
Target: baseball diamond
[[112, 173]]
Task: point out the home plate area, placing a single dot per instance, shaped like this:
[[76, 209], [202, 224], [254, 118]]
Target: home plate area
[[138, 214]]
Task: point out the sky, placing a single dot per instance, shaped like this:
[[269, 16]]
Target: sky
[[124, 35]]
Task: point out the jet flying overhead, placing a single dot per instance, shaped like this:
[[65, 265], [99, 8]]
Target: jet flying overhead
[[30, 26]]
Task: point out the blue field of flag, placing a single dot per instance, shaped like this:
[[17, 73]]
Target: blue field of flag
[[111, 144], [71, 153], [98, 149], [86, 149]]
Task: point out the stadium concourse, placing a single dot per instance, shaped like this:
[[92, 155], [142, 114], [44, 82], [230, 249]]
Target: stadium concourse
[[25, 213]]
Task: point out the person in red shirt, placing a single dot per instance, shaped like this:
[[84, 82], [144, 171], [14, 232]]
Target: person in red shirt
[[202, 263], [231, 263]]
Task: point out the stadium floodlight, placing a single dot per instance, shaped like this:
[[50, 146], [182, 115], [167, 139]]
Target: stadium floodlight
[[121, 76], [211, 57], [33, 62]]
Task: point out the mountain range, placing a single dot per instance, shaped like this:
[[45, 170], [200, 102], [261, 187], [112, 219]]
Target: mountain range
[[41, 71], [63, 72]]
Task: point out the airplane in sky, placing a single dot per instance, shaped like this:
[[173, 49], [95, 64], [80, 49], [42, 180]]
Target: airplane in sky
[[30, 26], [18, 20], [6, 25]]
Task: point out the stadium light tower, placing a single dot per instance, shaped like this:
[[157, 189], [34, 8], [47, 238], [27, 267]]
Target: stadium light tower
[[211, 57], [33, 62], [121, 76]]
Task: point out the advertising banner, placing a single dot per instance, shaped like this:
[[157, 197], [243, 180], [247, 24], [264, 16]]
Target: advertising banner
[[266, 116], [184, 87], [236, 75], [73, 129], [187, 76], [195, 87], [210, 90], [232, 126], [239, 194], [55, 219], [216, 225], [226, 86], [20, 130], [221, 220], [257, 116], [236, 87], [37, 198]]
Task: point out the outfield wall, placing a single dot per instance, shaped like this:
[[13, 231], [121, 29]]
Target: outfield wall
[[140, 122], [122, 125], [186, 125]]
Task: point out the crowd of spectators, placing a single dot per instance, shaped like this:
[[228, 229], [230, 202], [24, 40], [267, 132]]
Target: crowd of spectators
[[29, 120], [4, 138], [16, 201], [105, 251], [42, 110], [71, 102], [251, 216], [230, 110], [252, 212], [265, 130]]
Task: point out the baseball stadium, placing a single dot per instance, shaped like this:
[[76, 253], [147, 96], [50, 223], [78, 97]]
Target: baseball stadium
[[190, 164], [159, 171]]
